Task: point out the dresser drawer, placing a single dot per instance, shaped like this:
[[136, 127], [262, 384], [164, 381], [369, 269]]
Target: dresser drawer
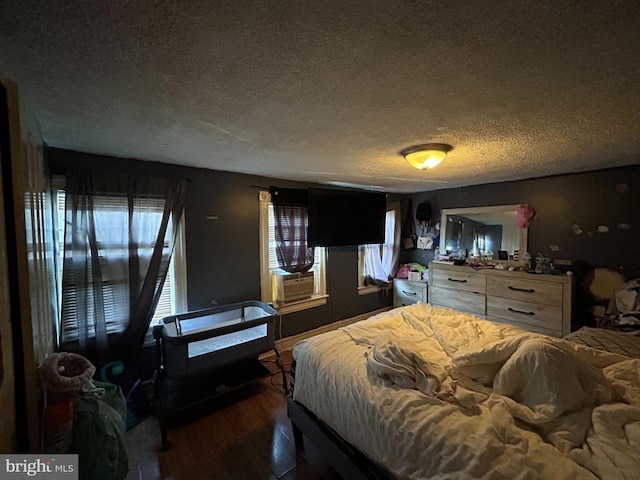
[[463, 301], [525, 289], [406, 292], [527, 313], [529, 327], [466, 281]]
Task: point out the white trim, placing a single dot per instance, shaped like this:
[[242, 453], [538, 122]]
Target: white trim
[[489, 209], [266, 289], [367, 290], [303, 304], [179, 278]]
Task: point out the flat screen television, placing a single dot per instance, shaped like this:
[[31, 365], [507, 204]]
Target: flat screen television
[[345, 217]]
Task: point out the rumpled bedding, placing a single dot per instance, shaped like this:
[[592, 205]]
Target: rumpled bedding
[[430, 392]]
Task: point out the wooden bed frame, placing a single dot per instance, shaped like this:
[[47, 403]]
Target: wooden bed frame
[[345, 459]]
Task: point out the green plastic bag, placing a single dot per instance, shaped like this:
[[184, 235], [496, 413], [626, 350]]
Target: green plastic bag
[[99, 432]]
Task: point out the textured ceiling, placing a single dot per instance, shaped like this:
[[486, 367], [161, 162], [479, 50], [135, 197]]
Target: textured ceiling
[[330, 92]]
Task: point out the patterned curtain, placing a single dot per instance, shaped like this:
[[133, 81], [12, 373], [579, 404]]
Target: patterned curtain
[[291, 223]]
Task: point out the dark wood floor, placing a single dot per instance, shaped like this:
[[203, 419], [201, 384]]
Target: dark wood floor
[[244, 434]]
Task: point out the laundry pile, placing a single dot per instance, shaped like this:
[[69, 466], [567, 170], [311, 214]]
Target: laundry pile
[[623, 312]]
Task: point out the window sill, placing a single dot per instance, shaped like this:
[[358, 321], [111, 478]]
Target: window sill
[[296, 306], [368, 289]]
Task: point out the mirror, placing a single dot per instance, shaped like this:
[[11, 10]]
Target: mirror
[[482, 232]]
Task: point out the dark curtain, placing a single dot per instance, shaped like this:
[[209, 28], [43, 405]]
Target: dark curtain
[[119, 235], [291, 224]]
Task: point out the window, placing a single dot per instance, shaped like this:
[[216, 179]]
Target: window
[[173, 296], [380, 261], [269, 264]]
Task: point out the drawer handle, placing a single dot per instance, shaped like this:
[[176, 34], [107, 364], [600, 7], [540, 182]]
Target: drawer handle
[[409, 293], [520, 311], [527, 290], [456, 280]]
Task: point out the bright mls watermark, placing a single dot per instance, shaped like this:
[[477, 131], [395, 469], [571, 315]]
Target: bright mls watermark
[[50, 466]]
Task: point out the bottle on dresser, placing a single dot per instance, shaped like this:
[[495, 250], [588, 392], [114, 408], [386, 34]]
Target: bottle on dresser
[[539, 262]]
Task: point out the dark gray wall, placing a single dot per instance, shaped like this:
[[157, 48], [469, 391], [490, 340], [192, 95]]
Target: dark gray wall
[[223, 255], [604, 197]]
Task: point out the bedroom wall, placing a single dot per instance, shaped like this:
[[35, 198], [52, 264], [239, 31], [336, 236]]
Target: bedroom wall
[[223, 256], [609, 197]]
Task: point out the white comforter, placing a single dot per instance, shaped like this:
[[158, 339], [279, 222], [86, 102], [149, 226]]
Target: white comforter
[[432, 393]]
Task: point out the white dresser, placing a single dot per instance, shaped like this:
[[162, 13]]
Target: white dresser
[[539, 303], [407, 292]]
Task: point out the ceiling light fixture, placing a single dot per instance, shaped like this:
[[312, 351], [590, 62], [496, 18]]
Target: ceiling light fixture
[[427, 155]]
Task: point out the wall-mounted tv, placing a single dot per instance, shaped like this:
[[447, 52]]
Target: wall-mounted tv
[[345, 217]]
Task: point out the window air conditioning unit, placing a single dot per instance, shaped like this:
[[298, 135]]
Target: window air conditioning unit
[[294, 286]]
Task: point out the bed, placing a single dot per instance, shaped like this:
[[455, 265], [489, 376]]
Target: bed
[[425, 392]]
